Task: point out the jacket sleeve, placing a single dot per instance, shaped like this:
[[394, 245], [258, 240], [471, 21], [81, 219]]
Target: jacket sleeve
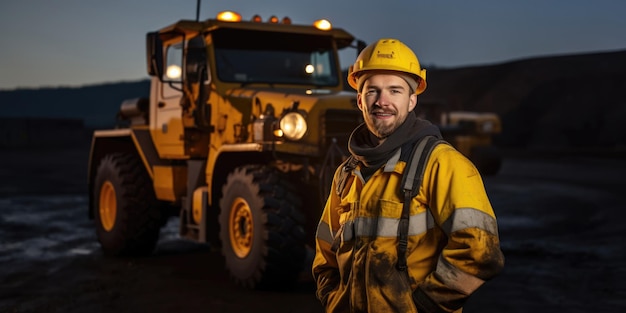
[[461, 208], [325, 268]]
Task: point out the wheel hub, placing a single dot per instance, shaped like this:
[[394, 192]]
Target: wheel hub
[[240, 227], [107, 206]]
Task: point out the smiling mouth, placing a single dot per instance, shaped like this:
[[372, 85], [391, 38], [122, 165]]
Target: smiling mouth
[[383, 114]]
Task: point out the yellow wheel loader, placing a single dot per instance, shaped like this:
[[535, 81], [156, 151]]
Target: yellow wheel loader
[[244, 126]]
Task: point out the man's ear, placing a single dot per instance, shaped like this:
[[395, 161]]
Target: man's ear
[[412, 102], [358, 101]]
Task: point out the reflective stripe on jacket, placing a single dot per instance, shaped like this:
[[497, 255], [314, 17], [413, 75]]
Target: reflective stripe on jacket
[[453, 240]]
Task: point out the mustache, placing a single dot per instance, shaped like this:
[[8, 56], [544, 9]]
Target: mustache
[[377, 110]]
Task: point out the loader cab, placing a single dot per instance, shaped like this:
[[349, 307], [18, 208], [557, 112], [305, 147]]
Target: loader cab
[[166, 92], [179, 92]]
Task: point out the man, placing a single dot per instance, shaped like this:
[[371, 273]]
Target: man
[[452, 243]]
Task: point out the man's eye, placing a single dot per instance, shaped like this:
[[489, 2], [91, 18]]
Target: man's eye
[[370, 93]]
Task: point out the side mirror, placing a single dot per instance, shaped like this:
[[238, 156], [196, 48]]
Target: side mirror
[[360, 45], [154, 54]]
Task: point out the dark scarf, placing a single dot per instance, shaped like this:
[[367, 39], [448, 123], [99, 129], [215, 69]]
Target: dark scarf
[[366, 147]]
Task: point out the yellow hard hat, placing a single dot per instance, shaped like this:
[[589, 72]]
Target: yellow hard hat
[[391, 55]]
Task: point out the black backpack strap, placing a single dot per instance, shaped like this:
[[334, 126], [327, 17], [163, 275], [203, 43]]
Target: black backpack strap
[[343, 172], [411, 181]]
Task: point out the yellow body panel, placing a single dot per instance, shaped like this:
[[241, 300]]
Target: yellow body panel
[[199, 197], [169, 182]]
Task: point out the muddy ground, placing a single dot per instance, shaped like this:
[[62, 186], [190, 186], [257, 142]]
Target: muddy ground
[[560, 220]]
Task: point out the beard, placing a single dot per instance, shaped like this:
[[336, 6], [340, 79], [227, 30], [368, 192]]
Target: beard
[[383, 128]]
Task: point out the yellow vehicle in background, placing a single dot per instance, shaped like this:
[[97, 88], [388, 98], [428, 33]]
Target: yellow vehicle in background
[[244, 126], [469, 132]]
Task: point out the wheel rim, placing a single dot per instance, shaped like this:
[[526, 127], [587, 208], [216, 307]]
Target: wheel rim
[[240, 227], [108, 206]]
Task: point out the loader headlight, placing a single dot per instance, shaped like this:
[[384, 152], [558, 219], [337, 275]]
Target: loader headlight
[[293, 125]]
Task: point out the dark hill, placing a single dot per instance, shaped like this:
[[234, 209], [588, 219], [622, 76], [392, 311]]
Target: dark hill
[[573, 100], [558, 101], [96, 105]]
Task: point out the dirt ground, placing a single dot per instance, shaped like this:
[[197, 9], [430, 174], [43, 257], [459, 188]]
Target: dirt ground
[[560, 220]]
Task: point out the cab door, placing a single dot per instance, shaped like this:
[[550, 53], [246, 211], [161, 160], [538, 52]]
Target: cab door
[[167, 127]]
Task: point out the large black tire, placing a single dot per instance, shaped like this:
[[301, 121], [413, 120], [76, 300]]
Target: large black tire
[[261, 229], [127, 215]]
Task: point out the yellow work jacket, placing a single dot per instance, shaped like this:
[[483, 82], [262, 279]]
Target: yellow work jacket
[[453, 244]]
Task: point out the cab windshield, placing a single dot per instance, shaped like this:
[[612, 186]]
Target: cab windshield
[[246, 56]]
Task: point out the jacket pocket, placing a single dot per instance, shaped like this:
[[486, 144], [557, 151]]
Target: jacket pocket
[[388, 288]]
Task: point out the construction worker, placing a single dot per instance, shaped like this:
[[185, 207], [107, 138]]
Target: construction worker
[[373, 253]]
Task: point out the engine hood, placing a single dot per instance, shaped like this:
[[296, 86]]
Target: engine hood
[[329, 114], [309, 100]]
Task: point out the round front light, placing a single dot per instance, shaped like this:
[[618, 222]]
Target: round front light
[[293, 126]]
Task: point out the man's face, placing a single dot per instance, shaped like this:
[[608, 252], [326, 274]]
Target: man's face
[[385, 101]]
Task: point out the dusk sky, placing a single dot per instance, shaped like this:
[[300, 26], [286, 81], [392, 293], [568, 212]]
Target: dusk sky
[[50, 43]]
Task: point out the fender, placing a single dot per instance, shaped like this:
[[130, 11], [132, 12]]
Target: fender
[[128, 140]]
